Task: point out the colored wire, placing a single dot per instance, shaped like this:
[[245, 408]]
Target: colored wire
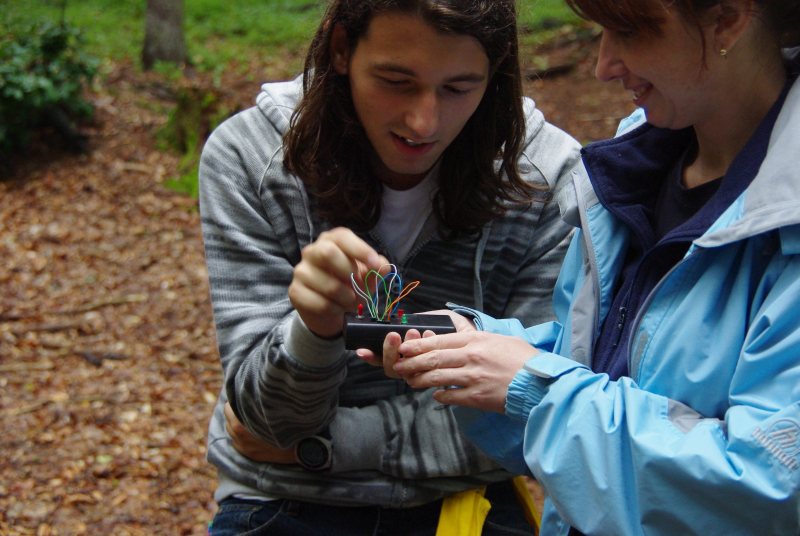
[[405, 292], [365, 296], [388, 290]]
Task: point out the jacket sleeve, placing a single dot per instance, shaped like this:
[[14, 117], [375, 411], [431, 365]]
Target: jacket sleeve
[[250, 256], [617, 459]]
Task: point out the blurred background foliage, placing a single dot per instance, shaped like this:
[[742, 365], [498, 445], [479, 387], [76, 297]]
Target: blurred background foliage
[[221, 36], [221, 31], [43, 70]]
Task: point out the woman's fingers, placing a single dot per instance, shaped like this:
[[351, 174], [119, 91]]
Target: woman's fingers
[[475, 368]]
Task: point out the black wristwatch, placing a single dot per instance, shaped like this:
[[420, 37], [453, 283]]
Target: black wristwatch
[[314, 453]]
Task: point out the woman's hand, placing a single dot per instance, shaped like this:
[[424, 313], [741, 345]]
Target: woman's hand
[[321, 289], [391, 343], [252, 447], [473, 368]]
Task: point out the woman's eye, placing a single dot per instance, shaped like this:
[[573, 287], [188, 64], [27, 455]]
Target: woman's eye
[[625, 34]]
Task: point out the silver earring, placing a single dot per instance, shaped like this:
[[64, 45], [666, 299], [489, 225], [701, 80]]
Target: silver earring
[[723, 52]]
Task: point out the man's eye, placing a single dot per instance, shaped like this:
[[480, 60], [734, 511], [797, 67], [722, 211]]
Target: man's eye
[[393, 81], [456, 90]]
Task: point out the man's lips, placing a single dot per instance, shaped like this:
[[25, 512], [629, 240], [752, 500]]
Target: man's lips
[[408, 144], [410, 141]]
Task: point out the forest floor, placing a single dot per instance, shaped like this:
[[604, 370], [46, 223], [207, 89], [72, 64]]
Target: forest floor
[[108, 363]]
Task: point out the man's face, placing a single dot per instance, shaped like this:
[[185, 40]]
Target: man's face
[[413, 89]]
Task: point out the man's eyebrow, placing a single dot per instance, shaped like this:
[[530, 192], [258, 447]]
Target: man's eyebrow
[[399, 69]]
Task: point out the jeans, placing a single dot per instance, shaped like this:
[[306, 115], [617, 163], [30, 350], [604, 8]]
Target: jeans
[[237, 517]]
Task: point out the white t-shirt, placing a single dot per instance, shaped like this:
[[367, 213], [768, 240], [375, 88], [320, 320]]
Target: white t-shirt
[[403, 214]]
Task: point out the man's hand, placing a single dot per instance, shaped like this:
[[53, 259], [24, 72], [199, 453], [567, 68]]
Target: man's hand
[[321, 289], [252, 447]]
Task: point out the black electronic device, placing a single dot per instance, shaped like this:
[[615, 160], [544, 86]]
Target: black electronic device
[[365, 332]]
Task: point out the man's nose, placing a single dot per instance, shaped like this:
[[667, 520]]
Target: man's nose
[[422, 117]]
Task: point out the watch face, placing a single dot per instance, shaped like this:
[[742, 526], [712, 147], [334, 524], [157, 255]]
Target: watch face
[[313, 453]]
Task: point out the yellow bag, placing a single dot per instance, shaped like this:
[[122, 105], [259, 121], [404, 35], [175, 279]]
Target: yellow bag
[[463, 514], [532, 514]]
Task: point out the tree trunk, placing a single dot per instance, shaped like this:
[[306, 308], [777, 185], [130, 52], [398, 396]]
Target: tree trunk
[[163, 33]]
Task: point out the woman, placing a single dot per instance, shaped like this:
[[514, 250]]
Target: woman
[[407, 140], [666, 399]]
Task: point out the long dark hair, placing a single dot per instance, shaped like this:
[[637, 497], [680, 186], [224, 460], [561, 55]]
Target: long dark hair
[[328, 149], [782, 17]]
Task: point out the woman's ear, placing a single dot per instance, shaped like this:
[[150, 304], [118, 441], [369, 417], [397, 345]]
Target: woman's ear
[[340, 50], [733, 19]]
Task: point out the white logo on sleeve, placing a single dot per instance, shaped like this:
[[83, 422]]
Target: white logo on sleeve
[[782, 440]]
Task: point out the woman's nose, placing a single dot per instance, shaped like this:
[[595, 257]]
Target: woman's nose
[[609, 65]]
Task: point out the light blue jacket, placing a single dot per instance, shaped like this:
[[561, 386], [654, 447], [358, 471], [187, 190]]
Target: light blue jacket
[[704, 436]]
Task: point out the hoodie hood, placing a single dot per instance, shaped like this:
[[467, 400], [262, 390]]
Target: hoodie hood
[[278, 100]]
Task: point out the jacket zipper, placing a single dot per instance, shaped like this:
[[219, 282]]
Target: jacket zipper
[[632, 361], [620, 325]]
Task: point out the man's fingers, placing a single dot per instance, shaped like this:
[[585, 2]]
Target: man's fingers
[[353, 247], [321, 295], [369, 357], [324, 258]]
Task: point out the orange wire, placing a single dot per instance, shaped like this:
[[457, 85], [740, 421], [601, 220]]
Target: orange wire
[[403, 293]]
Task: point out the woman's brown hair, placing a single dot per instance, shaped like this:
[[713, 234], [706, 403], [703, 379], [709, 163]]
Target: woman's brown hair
[[782, 17], [327, 148]]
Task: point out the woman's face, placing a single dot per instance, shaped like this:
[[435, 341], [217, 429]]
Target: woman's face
[[665, 73], [413, 89]]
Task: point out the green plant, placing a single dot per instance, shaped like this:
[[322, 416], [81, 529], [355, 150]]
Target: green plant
[[197, 111], [43, 71]]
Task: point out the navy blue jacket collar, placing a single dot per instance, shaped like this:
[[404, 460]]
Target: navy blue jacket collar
[[626, 173]]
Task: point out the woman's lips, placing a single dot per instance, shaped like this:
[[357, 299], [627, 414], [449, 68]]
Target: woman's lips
[[639, 93]]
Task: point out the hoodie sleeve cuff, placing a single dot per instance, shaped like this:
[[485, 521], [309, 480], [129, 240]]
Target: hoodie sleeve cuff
[[309, 349]]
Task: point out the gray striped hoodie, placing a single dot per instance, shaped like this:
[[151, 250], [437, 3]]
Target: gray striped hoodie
[[392, 446]]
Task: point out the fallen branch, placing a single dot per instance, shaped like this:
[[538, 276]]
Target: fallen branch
[[30, 408], [47, 327], [13, 317], [97, 359], [38, 404], [24, 367], [121, 300]]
